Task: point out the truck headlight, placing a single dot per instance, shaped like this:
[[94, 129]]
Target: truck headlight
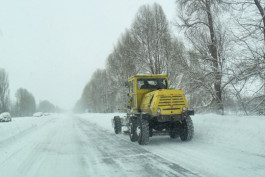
[[184, 109], [158, 111]]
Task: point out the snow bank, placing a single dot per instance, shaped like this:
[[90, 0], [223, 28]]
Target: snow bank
[[244, 133]]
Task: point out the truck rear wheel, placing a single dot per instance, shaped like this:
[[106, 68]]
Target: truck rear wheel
[[143, 131], [187, 130], [173, 133], [117, 124]]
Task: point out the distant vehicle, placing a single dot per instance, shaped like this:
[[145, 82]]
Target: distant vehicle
[[38, 114], [5, 117]]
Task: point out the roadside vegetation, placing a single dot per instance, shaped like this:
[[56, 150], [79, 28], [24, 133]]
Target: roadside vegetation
[[24, 104], [213, 50]]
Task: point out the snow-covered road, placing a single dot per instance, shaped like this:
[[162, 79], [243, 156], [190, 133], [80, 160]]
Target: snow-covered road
[[73, 146]]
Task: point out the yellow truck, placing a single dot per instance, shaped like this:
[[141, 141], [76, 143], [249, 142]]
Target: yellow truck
[[154, 109]]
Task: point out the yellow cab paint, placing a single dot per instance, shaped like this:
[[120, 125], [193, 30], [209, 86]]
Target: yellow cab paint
[[169, 101]]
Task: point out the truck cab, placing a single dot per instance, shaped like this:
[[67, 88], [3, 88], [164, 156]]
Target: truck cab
[[139, 85], [150, 94]]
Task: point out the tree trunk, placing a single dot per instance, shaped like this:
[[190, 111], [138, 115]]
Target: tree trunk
[[213, 51], [261, 11]]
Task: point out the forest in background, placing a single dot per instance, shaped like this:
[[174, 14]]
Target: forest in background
[[24, 104], [214, 51]]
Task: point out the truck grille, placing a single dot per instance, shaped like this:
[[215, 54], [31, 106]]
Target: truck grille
[[170, 109], [171, 101]]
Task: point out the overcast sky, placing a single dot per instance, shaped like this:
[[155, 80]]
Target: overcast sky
[[52, 47]]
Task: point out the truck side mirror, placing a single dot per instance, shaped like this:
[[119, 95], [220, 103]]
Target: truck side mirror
[[126, 84]]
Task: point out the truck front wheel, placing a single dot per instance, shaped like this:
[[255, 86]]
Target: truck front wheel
[[133, 127], [143, 131], [187, 130], [173, 133]]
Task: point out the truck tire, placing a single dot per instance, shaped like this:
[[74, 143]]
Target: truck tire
[[133, 127], [187, 130], [143, 131], [173, 133], [117, 124]]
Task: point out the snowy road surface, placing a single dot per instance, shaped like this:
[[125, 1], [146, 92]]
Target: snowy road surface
[[72, 146]]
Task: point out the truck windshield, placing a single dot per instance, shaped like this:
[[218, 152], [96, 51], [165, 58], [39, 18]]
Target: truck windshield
[[152, 83]]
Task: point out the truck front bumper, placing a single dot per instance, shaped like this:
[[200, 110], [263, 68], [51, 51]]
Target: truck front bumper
[[174, 117]]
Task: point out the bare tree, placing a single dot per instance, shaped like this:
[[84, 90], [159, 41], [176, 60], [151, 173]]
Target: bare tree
[[249, 36], [147, 47], [80, 107], [4, 91], [151, 33], [25, 103], [202, 27], [121, 64], [96, 95], [175, 57]]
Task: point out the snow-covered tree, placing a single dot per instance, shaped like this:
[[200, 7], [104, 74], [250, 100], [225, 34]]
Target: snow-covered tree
[[205, 31], [4, 91], [147, 47], [249, 37], [25, 103]]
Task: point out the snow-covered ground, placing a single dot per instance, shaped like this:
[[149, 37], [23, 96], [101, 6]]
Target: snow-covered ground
[[21, 125], [70, 146], [222, 145], [85, 145]]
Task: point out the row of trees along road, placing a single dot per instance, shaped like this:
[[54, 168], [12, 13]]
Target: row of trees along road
[[25, 104], [219, 63]]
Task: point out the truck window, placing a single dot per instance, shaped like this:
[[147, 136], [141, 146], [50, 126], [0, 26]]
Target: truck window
[[130, 87], [158, 83], [133, 89]]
